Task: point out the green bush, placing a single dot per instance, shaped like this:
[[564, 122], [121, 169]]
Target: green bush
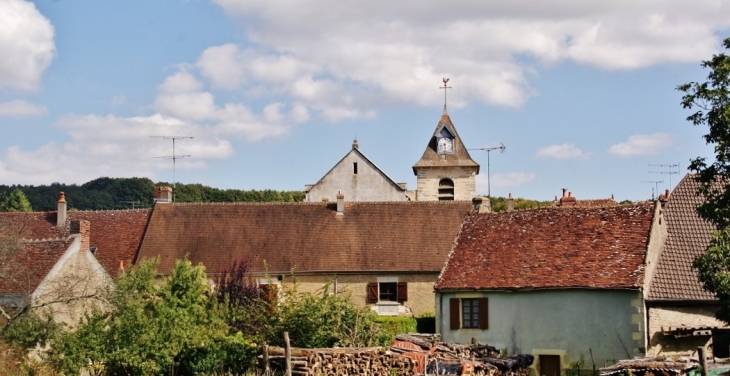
[[426, 323], [391, 326]]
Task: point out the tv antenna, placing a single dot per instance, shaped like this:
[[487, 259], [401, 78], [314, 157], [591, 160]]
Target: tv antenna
[[174, 157], [501, 149], [130, 202], [446, 80], [670, 171], [656, 184]]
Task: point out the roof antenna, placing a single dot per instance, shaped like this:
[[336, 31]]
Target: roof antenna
[[446, 80], [174, 157]]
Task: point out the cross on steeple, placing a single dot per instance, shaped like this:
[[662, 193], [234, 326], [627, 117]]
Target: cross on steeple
[[446, 80]]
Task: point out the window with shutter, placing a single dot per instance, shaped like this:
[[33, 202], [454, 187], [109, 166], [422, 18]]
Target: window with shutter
[[469, 313], [454, 310], [402, 292], [372, 292]]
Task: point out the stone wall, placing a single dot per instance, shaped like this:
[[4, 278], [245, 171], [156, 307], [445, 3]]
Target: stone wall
[[464, 179], [666, 317]]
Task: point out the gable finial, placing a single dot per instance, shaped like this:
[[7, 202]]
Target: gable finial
[[446, 80]]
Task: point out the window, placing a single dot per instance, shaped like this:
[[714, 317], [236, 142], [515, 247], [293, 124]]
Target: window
[[268, 291], [354, 168], [472, 313], [387, 291], [446, 190]]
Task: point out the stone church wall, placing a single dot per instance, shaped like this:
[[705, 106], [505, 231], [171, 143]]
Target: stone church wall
[[464, 179]]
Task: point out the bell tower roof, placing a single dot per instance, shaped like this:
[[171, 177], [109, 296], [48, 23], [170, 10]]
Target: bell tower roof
[[457, 156]]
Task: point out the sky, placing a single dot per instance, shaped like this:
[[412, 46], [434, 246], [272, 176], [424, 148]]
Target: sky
[[581, 93]]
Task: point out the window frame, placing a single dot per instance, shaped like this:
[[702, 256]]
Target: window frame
[[456, 312]]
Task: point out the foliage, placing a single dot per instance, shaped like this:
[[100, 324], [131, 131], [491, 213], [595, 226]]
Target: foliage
[[29, 330], [711, 100], [16, 201], [713, 267], [153, 328], [426, 323], [394, 325], [499, 204], [323, 319], [124, 193]]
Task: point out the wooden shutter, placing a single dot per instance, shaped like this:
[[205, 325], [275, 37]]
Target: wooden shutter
[[454, 313], [372, 292], [402, 292], [483, 313]]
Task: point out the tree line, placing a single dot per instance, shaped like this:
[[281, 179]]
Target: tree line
[[125, 193]]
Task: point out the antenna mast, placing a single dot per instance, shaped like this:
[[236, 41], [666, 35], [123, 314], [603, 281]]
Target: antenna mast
[[656, 184], [670, 171], [174, 157], [501, 149]]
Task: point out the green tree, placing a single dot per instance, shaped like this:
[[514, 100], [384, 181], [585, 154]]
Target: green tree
[[713, 267], [16, 202], [711, 102]]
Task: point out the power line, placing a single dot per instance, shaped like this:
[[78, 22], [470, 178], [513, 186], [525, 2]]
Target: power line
[[174, 157]]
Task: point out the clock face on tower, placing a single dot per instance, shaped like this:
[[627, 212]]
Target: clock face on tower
[[445, 145]]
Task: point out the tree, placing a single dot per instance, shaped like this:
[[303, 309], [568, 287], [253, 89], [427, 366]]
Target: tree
[[711, 100], [713, 268], [16, 202]]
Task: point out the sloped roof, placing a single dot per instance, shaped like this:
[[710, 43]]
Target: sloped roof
[[356, 149], [688, 237], [551, 248], [116, 233], [25, 269], [306, 237], [460, 157]]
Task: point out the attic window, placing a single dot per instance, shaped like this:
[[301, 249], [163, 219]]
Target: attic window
[[93, 249], [446, 190], [354, 168]]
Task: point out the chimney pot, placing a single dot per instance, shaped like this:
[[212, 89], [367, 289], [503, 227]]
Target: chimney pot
[[510, 203], [61, 210], [564, 192], [340, 203], [570, 194]]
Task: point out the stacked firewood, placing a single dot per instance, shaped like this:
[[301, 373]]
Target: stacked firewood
[[373, 361]]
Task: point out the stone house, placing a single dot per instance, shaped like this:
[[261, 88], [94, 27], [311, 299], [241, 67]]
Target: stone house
[[563, 284], [357, 178], [61, 262], [681, 315], [385, 254]]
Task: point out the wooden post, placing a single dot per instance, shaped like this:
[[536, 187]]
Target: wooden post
[[287, 354], [703, 359], [266, 360]]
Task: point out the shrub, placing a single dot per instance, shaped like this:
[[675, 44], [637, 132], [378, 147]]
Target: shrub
[[394, 325]]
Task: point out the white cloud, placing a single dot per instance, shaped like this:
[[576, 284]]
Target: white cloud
[[20, 108], [26, 44], [502, 181], [106, 145], [378, 53], [562, 151], [642, 144]]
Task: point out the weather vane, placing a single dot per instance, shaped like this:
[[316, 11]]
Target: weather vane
[[446, 80]]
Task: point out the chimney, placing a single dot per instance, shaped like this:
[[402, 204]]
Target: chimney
[[354, 144], [481, 204], [340, 203], [163, 195], [83, 229], [565, 190], [121, 265], [61, 213], [510, 203]]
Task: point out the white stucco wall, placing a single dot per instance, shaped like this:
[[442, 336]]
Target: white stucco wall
[[369, 184], [577, 324]]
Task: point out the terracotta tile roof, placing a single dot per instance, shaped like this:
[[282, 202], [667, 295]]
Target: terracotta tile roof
[[688, 236], [306, 237], [116, 233], [551, 248], [460, 157], [27, 267]]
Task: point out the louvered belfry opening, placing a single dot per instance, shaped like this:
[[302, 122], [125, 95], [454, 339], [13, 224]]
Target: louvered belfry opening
[[446, 190]]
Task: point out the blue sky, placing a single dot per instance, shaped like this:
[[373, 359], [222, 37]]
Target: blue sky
[[581, 93]]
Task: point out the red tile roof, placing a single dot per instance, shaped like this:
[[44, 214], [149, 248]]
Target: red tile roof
[[25, 269], [306, 237], [687, 237], [551, 248]]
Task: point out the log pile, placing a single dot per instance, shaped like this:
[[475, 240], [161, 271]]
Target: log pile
[[372, 361]]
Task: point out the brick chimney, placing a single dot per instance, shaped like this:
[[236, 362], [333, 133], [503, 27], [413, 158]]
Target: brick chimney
[[163, 195], [61, 211], [665, 196], [83, 229], [510, 203], [340, 203]]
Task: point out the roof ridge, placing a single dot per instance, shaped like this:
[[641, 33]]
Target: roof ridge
[[44, 240]]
